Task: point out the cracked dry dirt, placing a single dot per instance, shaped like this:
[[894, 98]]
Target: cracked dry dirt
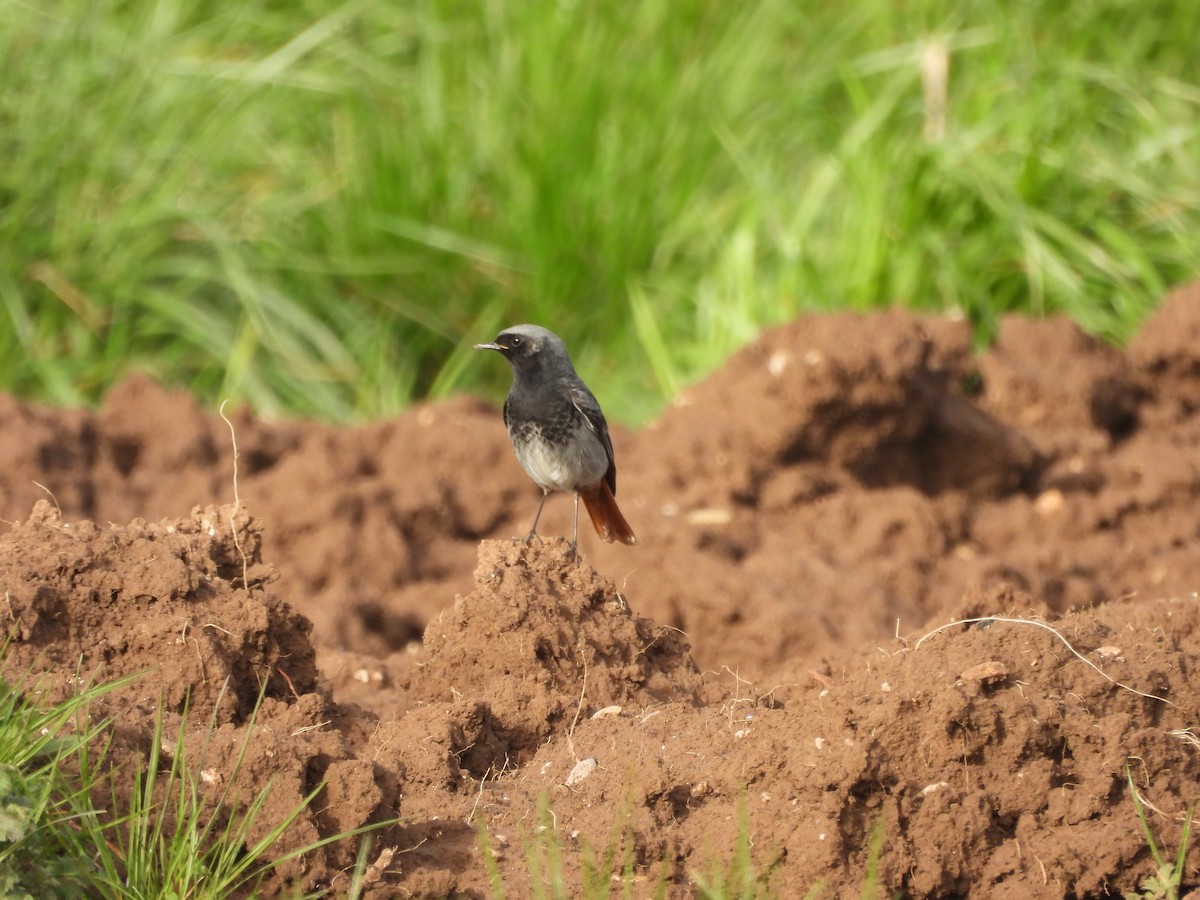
[[837, 490]]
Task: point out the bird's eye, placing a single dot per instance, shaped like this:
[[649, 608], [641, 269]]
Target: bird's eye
[[514, 342]]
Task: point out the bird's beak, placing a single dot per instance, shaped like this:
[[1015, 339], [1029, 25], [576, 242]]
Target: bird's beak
[[489, 347]]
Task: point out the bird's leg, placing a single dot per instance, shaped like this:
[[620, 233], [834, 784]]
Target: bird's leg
[[575, 530], [533, 528]]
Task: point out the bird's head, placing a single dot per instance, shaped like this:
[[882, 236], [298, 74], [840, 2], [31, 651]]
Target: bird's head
[[526, 346]]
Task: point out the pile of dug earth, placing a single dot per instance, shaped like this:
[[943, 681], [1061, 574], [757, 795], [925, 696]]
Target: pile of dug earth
[[775, 660]]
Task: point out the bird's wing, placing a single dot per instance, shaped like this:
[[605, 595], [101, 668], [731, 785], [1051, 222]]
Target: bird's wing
[[583, 400]]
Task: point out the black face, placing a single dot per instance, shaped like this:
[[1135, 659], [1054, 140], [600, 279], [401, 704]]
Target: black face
[[514, 345]]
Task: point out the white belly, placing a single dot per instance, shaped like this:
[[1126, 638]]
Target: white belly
[[564, 467]]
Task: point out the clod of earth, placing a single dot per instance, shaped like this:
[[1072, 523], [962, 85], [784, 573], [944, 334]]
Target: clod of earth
[[841, 487]]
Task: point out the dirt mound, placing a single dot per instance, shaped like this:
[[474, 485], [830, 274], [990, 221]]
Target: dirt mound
[[874, 400], [991, 759], [537, 637], [183, 604], [837, 489], [106, 602], [1165, 350]]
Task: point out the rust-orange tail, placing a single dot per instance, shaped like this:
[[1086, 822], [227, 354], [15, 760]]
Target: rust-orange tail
[[606, 516]]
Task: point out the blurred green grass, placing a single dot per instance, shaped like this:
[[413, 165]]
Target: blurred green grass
[[316, 207]]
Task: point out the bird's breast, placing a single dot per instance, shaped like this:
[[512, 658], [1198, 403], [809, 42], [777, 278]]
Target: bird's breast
[[559, 454]]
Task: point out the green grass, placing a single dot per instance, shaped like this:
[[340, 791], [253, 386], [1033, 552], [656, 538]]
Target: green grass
[[1167, 880], [746, 875], [742, 878], [543, 850], [317, 206], [45, 817], [172, 842], [165, 841]]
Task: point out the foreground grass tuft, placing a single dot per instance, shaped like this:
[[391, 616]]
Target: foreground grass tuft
[[165, 840], [610, 870], [1167, 880], [45, 819], [742, 878], [604, 871]]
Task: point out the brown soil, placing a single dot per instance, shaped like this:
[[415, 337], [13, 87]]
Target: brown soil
[[839, 489]]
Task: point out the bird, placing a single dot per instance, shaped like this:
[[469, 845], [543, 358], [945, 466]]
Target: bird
[[558, 433]]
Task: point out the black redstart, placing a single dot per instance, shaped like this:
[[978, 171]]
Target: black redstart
[[557, 430]]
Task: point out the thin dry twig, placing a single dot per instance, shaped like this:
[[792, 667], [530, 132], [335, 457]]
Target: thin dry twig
[[1058, 635], [578, 706], [52, 497], [200, 657], [237, 500], [478, 795], [291, 686], [1186, 735]]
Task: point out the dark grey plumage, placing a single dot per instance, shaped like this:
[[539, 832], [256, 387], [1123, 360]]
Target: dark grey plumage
[[558, 431]]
